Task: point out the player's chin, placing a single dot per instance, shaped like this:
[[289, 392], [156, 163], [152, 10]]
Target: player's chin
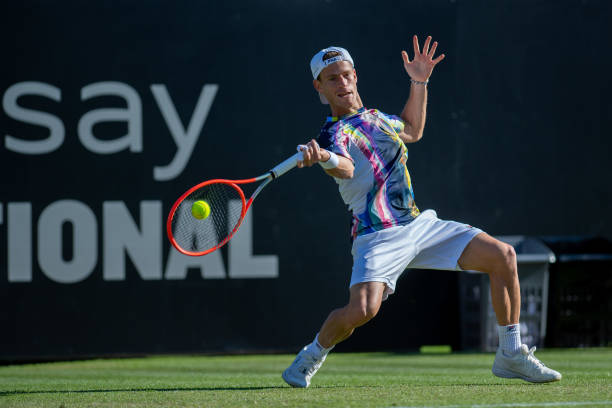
[[347, 101]]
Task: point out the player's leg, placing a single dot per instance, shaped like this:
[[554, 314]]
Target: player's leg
[[364, 303], [513, 359], [487, 254], [379, 258]]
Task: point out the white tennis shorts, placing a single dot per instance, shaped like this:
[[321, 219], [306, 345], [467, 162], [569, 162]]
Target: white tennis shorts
[[425, 243]]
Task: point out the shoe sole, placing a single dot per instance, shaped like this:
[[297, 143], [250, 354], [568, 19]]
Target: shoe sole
[[510, 374], [294, 385]]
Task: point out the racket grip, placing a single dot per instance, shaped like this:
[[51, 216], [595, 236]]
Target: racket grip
[[287, 165]]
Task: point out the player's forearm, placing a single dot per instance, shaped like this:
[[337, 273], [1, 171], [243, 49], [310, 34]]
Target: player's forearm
[[414, 113], [338, 167], [344, 170]]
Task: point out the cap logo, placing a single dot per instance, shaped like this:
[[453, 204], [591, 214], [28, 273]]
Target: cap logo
[[334, 59]]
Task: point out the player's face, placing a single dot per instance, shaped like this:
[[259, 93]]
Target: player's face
[[338, 83]]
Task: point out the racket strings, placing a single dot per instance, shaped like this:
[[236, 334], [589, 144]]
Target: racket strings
[[197, 235]]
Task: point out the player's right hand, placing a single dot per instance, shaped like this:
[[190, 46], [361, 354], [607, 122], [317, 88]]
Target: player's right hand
[[312, 154]]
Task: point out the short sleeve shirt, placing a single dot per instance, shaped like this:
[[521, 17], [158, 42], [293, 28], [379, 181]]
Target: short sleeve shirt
[[380, 193]]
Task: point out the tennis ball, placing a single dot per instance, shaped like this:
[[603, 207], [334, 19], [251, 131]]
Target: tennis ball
[[200, 210]]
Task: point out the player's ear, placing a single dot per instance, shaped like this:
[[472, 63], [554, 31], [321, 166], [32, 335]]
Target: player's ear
[[355, 73], [317, 85]]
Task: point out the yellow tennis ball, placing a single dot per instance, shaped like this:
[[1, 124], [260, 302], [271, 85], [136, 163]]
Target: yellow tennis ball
[[200, 210]]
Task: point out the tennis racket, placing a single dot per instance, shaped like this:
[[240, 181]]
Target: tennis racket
[[197, 234]]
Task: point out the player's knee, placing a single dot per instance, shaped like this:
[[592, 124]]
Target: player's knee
[[366, 312], [509, 256], [362, 313], [371, 310], [505, 263]]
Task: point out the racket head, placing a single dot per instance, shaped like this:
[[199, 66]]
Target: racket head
[[197, 237]]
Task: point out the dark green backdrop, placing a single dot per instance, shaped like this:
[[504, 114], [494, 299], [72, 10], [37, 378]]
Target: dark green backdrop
[[516, 142]]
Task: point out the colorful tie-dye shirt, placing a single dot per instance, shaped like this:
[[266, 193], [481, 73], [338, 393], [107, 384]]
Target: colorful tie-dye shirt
[[380, 193]]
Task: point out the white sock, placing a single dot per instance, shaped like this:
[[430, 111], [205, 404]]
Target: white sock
[[509, 338], [318, 348]]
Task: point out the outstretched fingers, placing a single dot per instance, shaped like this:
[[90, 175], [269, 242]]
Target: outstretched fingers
[[415, 44], [426, 45], [440, 58], [422, 64], [432, 51]]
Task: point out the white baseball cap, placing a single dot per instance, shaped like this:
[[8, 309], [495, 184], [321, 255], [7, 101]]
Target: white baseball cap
[[317, 64]]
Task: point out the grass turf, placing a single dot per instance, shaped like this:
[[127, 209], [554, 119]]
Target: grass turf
[[346, 380]]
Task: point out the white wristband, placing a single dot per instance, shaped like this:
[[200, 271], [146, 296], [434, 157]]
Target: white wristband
[[332, 162]]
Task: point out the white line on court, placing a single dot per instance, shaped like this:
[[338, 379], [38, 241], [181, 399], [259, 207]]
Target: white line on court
[[520, 404]]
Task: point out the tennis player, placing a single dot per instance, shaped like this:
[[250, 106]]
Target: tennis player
[[364, 150]]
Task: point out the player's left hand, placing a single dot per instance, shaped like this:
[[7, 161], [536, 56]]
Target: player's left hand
[[312, 154], [421, 67]]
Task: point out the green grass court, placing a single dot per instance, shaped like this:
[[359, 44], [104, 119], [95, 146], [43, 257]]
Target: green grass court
[[346, 380]]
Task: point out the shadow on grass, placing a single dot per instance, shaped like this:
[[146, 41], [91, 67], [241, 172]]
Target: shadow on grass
[[18, 392], [23, 392]]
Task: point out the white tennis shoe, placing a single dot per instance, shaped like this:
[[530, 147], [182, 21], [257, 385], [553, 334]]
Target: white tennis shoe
[[305, 365], [523, 365]]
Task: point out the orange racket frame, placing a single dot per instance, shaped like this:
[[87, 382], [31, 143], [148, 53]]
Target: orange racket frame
[[274, 173]]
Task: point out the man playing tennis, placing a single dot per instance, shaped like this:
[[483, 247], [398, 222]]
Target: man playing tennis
[[364, 150]]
